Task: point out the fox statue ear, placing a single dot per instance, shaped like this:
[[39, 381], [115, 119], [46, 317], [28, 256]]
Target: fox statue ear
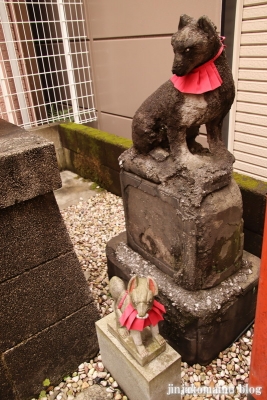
[[152, 285], [184, 20], [206, 25], [132, 284]]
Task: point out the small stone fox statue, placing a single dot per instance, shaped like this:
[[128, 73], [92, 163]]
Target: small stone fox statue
[[135, 309]]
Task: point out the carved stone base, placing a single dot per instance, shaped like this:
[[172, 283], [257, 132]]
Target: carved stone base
[[197, 174], [198, 324], [150, 382], [198, 246], [153, 348]]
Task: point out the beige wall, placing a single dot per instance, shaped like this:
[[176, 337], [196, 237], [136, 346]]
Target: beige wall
[[249, 125], [131, 53]]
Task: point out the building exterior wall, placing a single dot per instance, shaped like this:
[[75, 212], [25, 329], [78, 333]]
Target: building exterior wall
[[249, 119], [131, 53]]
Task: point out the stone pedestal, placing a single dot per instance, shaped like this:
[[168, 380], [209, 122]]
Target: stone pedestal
[[150, 382], [153, 348], [198, 246], [184, 227], [198, 324], [47, 314]]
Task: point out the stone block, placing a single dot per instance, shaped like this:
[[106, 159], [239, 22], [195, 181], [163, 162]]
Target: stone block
[[198, 246], [31, 233], [147, 383], [52, 353], [41, 297], [28, 166], [198, 324]]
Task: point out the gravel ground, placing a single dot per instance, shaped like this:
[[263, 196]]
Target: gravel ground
[[90, 225]]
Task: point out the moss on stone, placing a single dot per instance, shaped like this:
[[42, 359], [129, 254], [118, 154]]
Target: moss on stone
[[251, 184], [71, 127], [94, 154]]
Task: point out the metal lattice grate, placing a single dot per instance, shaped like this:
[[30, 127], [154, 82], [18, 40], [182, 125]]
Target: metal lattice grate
[[44, 63]]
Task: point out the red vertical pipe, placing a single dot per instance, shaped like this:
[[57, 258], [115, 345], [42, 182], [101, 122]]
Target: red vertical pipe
[[258, 368]]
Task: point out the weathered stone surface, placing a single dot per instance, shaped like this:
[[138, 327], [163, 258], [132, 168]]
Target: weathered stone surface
[[146, 383], [47, 314], [41, 297], [93, 142], [198, 246], [6, 392], [52, 353], [91, 168], [199, 175], [31, 233], [28, 166], [198, 324]]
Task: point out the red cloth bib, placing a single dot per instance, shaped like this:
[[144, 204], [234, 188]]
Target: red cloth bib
[[201, 79], [129, 319]]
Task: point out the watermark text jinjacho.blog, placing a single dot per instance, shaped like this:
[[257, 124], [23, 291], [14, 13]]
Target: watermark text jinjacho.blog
[[226, 390]]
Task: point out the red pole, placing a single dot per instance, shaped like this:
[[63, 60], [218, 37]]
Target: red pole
[[258, 368]]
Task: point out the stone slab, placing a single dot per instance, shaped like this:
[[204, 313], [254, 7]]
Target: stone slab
[[31, 233], [198, 324], [28, 166], [147, 383], [41, 297], [153, 348], [52, 353]]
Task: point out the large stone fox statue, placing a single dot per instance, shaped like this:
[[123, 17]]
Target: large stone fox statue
[[201, 91]]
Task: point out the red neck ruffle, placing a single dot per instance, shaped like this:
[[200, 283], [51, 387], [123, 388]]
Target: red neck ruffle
[[129, 319], [201, 79]]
